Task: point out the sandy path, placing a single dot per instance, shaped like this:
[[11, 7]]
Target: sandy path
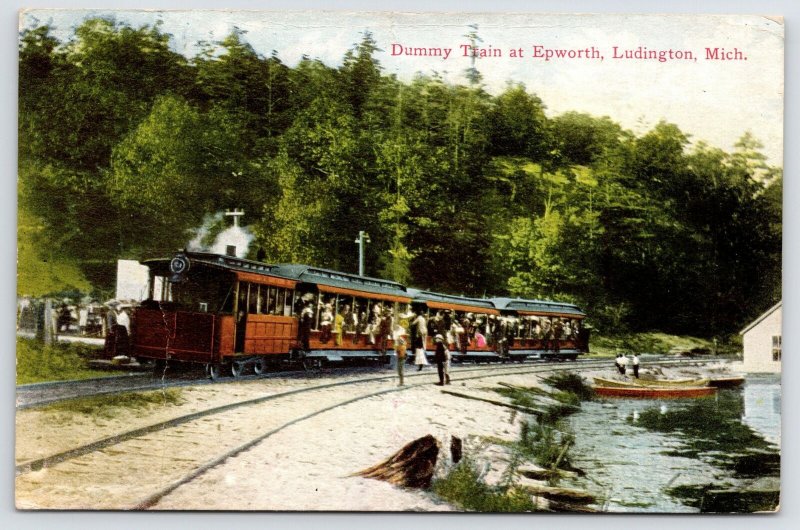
[[308, 466]]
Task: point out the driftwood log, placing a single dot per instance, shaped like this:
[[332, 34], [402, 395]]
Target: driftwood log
[[410, 467], [456, 449]]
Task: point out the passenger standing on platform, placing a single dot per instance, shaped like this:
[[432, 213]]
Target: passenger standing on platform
[[338, 327], [440, 356], [400, 349], [420, 340], [558, 331], [374, 322], [495, 332], [467, 331], [384, 329], [326, 321], [361, 326], [547, 333], [123, 328], [636, 365], [83, 319], [304, 329]]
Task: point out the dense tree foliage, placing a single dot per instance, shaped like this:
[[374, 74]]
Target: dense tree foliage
[[125, 147]]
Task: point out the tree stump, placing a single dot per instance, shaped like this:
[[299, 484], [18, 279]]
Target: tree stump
[[410, 467]]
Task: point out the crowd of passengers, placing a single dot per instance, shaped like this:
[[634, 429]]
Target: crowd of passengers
[[378, 323]]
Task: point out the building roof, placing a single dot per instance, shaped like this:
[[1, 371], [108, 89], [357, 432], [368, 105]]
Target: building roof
[[757, 321]]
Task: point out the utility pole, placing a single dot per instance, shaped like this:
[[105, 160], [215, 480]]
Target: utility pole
[[363, 238]]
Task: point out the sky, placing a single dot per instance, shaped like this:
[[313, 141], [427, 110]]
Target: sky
[[714, 101]]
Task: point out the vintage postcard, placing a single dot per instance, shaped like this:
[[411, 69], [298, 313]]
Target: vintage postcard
[[375, 261]]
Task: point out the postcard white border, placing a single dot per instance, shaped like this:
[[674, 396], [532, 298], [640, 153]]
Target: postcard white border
[[790, 514]]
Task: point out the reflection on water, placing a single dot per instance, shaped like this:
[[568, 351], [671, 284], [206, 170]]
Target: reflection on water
[[680, 455]]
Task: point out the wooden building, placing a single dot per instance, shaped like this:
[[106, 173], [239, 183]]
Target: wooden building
[[761, 341]]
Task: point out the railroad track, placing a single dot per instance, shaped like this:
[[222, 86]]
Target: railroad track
[[40, 394], [136, 468]]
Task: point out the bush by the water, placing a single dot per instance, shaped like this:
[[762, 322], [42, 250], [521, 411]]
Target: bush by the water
[[572, 383], [464, 487], [37, 362], [546, 445]]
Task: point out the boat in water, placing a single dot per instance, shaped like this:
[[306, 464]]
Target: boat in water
[[727, 382], [643, 392], [669, 383]]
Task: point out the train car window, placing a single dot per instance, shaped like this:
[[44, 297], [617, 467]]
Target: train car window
[[288, 302], [280, 297], [360, 310], [252, 305], [227, 301], [263, 292], [346, 305], [242, 301], [317, 305]]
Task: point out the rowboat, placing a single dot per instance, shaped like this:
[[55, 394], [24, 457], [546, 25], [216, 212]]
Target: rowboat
[[655, 393], [727, 382], [669, 383]]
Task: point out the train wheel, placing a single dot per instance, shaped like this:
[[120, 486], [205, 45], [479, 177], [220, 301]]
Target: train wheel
[[237, 368], [260, 367], [213, 371]]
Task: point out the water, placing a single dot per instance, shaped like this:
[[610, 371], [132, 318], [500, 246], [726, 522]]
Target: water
[[665, 456]]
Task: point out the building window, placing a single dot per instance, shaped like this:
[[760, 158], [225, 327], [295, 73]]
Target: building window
[[776, 347]]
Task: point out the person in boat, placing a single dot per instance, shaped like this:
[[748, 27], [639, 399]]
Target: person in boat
[[635, 364]]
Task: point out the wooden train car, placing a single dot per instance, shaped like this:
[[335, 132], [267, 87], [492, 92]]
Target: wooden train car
[[543, 329], [464, 323], [228, 313]]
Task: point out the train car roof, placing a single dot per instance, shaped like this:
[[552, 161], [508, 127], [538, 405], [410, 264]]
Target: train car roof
[[536, 306], [445, 301], [342, 280], [298, 273], [216, 261]]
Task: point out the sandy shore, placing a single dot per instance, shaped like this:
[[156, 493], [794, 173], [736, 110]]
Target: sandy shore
[[309, 465]]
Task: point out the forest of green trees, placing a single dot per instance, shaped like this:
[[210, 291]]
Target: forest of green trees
[[126, 146]]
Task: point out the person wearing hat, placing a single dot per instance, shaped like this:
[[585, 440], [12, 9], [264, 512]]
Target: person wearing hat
[[326, 322], [400, 351], [304, 327], [419, 332], [441, 357]]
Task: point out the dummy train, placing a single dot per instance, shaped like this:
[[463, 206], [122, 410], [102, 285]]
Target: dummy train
[[228, 313]]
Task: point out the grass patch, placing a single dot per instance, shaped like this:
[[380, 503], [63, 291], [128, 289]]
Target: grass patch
[[37, 362], [572, 383], [546, 445], [660, 343], [464, 487], [109, 406]]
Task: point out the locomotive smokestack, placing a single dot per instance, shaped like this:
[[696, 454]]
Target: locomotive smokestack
[[230, 250]]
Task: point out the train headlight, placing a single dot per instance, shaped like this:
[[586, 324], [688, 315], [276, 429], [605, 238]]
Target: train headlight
[[178, 266]]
